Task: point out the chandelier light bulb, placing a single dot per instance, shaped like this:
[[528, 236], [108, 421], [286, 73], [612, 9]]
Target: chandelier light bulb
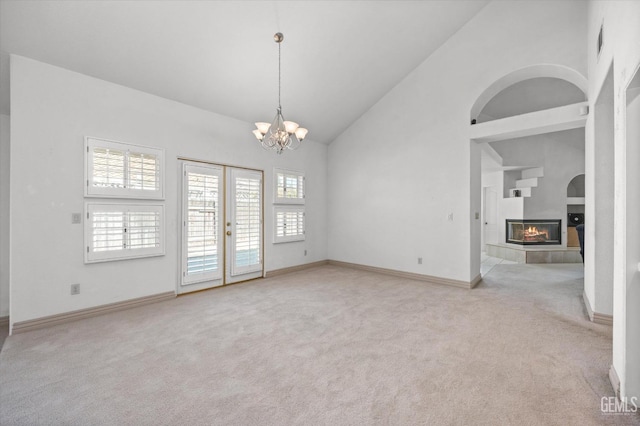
[[301, 133], [291, 126], [263, 127]]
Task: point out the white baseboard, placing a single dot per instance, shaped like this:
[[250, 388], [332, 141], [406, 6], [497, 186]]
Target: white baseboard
[[603, 319], [474, 282], [615, 381], [410, 275], [596, 317], [282, 271], [51, 320]]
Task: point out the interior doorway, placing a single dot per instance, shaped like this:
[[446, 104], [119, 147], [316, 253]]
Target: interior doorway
[[221, 225], [547, 100], [489, 215]]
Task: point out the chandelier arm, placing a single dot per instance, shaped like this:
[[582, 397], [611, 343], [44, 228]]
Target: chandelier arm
[[295, 143]]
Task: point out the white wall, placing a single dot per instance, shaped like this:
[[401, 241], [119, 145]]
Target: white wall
[[632, 281], [599, 196], [4, 215], [621, 22], [52, 109], [398, 172]]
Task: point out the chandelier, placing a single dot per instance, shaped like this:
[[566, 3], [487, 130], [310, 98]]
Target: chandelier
[[280, 134]]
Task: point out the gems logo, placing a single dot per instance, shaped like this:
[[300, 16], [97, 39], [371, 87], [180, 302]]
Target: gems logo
[[613, 405]]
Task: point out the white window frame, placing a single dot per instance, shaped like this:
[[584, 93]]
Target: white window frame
[[91, 256], [288, 238], [102, 192], [299, 177]]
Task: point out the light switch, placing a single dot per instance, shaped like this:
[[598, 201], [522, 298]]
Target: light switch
[[76, 218]]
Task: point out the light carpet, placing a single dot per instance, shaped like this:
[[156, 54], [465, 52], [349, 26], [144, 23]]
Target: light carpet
[[326, 346]]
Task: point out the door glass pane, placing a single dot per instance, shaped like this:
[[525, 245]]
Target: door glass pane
[[203, 216], [248, 222]]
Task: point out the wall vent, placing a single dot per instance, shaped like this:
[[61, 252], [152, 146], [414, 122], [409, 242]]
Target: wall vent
[[600, 40]]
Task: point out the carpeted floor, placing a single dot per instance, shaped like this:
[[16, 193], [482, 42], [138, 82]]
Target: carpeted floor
[[327, 346]]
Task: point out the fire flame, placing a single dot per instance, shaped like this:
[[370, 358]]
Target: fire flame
[[533, 231]]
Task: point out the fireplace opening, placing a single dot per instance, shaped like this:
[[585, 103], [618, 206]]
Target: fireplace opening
[[533, 232]]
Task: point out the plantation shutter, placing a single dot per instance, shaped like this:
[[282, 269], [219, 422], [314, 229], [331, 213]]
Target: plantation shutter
[[116, 169], [108, 168], [289, 224], [202, 251], [143, 171], [121, 231], [289, 187], [247, 232]]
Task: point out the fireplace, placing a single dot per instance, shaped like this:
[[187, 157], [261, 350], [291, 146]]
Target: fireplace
[[534, 232]]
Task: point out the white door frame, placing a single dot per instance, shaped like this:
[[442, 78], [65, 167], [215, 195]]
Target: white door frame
[[224, 275]]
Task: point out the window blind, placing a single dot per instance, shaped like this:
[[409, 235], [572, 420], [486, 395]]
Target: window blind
[[289, 187], [202, 222], [122, 231], [248, 221], [289, 224], [116, 169]]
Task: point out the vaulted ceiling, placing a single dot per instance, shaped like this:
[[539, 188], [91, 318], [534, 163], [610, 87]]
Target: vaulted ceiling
[[338, 57]]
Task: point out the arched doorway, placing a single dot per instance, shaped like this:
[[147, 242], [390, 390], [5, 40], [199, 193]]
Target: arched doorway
[[506, 111]]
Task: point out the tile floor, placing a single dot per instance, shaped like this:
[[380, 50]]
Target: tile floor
[[488, 262]]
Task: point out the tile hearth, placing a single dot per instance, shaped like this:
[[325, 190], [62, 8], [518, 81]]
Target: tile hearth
[[534, 254]]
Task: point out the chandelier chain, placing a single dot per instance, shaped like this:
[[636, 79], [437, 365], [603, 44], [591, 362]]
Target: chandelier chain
[[279, 75]]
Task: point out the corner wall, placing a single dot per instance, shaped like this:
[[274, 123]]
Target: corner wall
[[4, 215], [406, 166], [52, 110]]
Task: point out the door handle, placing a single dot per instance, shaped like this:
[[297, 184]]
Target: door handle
[[228, 232]]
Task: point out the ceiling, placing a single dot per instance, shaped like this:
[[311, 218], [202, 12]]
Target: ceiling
[[338, 57]]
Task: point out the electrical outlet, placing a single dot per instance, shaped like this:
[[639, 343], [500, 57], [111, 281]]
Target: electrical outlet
[[305, 252], [75, 289], [450, 217], [76, 218], [419, 261]]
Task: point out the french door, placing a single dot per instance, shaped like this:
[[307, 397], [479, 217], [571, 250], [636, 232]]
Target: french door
[[222, 232]]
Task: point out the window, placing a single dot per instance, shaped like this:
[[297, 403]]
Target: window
[[289, 224], [115, 169], [289, 187], [115, 231], [288, 220]]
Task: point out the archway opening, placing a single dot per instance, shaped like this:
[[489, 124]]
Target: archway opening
[[516, 178]]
